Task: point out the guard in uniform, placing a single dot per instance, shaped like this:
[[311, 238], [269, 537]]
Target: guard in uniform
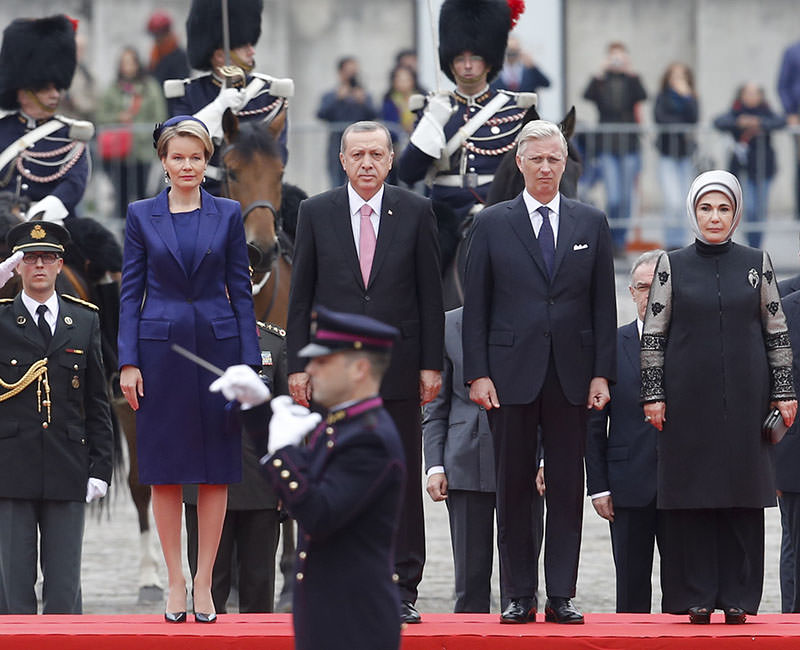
[[344, 488], [252, 522], [248, 94], [55, 428], [456, 152]]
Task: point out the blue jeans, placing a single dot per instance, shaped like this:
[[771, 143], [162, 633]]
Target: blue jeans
[[619, 177], [675, 175], [756, 204]]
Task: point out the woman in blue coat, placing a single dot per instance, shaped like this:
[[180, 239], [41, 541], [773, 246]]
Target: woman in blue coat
[[184, 280]]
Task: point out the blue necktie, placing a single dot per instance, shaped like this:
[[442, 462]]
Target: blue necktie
[[547, 240]]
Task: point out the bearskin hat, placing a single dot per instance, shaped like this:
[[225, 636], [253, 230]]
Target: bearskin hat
[[204, 28], [477, 26], [36, 52]]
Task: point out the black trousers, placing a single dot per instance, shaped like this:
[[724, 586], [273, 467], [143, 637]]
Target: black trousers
[[254, 536], [712, 558], [790, 567], [410, 543], [634, 533], [514, 433]]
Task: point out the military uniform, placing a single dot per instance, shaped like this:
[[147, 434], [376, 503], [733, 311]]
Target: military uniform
[[54, 435], [252, 520]]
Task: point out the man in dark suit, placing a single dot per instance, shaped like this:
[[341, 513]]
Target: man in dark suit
[[459, 463], [621, 459], [370, 248], [344, 487], [55, 432], [539, 349]]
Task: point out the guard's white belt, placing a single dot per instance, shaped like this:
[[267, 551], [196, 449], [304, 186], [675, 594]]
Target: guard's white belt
[[457, 180]]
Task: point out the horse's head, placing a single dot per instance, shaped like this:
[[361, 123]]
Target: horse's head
[[253, 171]]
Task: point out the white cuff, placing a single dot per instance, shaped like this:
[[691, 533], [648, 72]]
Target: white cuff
[[428, 137], [436, 469], [599, 495]]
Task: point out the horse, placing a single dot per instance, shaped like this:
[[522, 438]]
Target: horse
[[508, 183]]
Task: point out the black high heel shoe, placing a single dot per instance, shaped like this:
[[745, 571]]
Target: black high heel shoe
[[699, 615], [200, 617], [175, 617], [735, 616]]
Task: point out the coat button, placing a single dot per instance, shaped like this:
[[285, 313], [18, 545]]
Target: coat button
[[13, 362], [302, 555], [395, 577], [75, 366], [299, 576], [367, 298], [550, 301], [277, 462], [330, 444], [293, 485], [329, 430], [285, 473], [44, 425], [547, 335]]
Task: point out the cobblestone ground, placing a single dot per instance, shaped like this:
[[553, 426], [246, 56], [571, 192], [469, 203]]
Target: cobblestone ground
[[111, 546]]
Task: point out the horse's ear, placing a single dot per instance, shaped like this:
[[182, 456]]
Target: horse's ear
[[530, 115], [277, 125], [568, 123], [230, 125]]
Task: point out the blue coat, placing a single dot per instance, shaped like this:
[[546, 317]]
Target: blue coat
[[344, 489], [207, 309]]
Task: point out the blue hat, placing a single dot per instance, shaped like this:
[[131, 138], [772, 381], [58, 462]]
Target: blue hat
[[172, 122], [333, 331]]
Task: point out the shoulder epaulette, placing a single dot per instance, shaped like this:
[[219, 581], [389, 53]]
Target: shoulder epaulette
[[78, 301], [6, 301], [177, 87], [278, 331]]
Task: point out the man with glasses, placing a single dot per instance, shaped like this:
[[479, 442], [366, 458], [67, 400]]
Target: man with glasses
[[55, 427]]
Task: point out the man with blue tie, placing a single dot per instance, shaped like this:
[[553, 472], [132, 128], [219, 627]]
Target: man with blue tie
[[539, 350]]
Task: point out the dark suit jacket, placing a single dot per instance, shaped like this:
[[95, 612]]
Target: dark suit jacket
[[622, 458], [788, 286], [514, 316], [455, 430], [344, 489], [787, 451], [404, 284], [41, 460]]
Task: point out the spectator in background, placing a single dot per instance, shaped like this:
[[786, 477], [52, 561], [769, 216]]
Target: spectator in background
[[167, 58], [127, 151], [80, 101], [789, 91], [347, 103], [406, 58], [616, 91], [750, 121], [519, 72], [676, 104], [395, 112]]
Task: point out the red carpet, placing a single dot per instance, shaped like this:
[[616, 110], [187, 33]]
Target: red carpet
[[437, 632]]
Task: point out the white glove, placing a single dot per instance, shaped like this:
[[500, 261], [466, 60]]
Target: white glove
[[96, 488], [211, 115], [428, 137], [290, 423], [54, 210], [242, 384], [7, 267]]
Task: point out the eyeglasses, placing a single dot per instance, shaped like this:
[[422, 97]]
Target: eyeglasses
[[47, 258]]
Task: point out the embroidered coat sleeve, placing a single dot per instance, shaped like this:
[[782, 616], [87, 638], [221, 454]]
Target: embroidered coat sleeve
[[776, 336], [656, 333]]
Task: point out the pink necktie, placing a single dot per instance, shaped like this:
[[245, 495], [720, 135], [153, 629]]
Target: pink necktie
[[366, 243]]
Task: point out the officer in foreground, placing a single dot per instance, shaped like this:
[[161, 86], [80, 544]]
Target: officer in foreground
[[344, 487], [55, 427]]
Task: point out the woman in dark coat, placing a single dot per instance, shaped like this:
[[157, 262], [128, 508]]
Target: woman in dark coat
[[185, 280], [715, 357]]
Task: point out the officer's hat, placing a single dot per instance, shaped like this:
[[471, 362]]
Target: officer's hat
[[204, 28], [333, 331], [35, 53], [37, 237], [479, 26]]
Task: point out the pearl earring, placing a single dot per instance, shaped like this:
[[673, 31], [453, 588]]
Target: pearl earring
[[166, 177]]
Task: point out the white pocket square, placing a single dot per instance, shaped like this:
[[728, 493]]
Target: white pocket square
[[580, 247]]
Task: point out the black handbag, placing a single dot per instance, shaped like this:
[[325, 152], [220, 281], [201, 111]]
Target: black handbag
[[774, 427]]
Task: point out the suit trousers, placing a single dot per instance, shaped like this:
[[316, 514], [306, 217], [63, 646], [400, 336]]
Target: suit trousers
[[712, 558], [634, 533], [59, 525], [410, 542], [790, 551], [514, 434], [253, 535]]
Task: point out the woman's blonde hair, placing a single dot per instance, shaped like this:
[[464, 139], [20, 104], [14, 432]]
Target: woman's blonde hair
[[189, 127]]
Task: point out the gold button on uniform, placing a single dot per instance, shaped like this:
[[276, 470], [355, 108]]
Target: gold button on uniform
[[277, 462], [302, 555], [330, 444], [329, 430], [44, 425], [285, 473], [395, 577], [299, 576], [13, 362], [293, 485]]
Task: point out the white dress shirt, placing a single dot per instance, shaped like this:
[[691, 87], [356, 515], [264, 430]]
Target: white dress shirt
[[355, 212], [50, 316], [532, 205]]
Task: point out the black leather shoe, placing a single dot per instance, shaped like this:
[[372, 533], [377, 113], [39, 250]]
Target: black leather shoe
[[200, 617], [519, 610], [699, 615], [735, 616], [409, 613], [175, 617], [561, 610]]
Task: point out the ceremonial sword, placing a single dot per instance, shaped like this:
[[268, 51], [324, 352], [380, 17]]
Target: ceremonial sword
[[198, 360]]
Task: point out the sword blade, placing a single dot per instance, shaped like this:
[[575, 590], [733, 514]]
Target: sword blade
[[198, 360]]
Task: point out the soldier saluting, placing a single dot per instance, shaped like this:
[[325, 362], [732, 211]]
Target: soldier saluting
[[55, 427]]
